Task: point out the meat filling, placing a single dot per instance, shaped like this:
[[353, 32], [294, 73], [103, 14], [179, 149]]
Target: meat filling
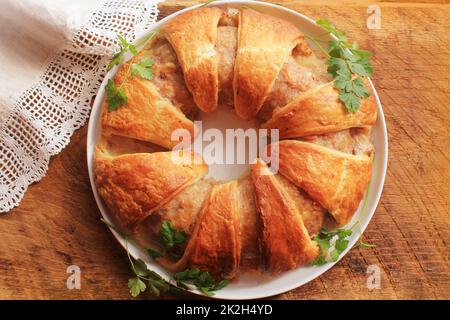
[[168, 76], [301, 72], [354, 141]]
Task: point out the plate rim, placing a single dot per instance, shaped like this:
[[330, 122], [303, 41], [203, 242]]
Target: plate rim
[[90, 146]]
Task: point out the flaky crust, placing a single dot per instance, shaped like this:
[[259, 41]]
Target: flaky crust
[[313, 214], [336, 180], [215, 245], [193, 35], [285, 241], [133, 186], [264, 44], [320, 111], [250, 226], [147, 116]]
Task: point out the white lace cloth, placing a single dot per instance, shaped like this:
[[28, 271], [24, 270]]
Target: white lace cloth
[[53, 57]]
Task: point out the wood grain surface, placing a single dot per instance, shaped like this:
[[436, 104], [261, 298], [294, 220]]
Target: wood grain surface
[[57, 224]]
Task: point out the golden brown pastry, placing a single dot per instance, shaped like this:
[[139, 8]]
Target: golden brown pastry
[[215, 244], [334, 179], [313, 214], [302, 71], [263, 67], [250, 226], [182, 211], [285, 241], [226, 48], [320, 111], [264, 44], [193, 35], [134, 186], [354, 141], [167, 74], [147, 116]]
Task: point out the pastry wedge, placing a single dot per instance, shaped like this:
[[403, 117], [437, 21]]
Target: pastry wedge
[[334, 179], [250, 226], [285, 241], [264, 44], [319, 111], [134, 186], [215, 244], [193, 35], [147, 116], [313, 214]]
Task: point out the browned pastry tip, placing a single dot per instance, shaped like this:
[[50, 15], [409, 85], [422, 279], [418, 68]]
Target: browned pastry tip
[[285, 242], [250, 226], [319, 111], [215, 244], [147, 116], [313, 214], [334, 179], [264, 44], [193, 35], [133, 186]]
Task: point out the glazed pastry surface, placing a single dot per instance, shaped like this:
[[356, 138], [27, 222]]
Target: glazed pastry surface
[[260, 67]]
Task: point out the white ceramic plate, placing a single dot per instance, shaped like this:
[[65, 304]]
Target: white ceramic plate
[[251, 287]]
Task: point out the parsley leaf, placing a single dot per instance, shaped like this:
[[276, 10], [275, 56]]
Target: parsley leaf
[[331, 244], [170, 236], [347, 64], [143, 68], [202, 280], [154, 253], [136, 286], [124, 47], [116, 97], [155, 283]]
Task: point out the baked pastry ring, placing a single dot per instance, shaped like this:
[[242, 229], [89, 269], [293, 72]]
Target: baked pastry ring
[[261, 66]]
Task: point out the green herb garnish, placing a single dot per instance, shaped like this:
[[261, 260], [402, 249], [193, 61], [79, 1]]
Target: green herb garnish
[[348, 65], [171, 239], [331, 243], [170, 236], [143, 68], [145, 278], [155, 253], [115, 96], [202, 280], [124, 47]]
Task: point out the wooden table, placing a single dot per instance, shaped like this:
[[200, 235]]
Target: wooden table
[[57, 223]]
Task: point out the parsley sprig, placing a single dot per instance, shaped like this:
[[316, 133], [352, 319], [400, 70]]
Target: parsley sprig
[[124, 48], [143, 68], [348, 65], [202, 280], [331, 245], [147, 279], [171, 239], [116, 95]]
